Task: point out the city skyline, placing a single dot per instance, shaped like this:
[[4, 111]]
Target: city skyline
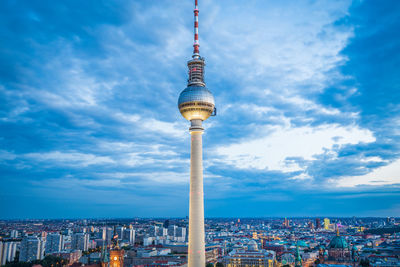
[[308, 109], [229, 242]]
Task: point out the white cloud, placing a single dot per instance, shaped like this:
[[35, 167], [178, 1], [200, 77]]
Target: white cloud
[[130, 118], [282, 142], [6, 155], [172, 129], [131, 147], [70, 158], [306, 104], [148, 178], [73, 86], [164, 128], [385, 175], [285, 46], [372, 159]]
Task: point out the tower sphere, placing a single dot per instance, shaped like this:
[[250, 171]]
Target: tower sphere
[[196, 103]]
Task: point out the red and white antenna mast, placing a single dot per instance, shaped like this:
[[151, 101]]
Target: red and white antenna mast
[[196, 53], [196, 64]]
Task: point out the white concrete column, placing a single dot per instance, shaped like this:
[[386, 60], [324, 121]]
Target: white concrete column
[[196, 248]]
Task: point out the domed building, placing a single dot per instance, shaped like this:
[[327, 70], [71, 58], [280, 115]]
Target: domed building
[[302, 244], [252, 246], [338, 242], [338, 249]]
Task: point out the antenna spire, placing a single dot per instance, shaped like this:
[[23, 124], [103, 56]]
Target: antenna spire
[[196, 53]]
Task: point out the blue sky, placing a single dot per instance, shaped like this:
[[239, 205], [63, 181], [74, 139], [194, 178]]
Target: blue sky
[[308, 98]]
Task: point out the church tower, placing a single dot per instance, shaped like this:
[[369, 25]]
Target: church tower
[[104, 258], [298, 262], [116, 254]]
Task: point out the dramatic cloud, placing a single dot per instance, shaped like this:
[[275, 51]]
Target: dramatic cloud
[[275, 151], [307, 97], [385, 175]]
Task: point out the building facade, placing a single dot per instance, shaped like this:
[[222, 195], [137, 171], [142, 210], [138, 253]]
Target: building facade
[[54, 243], [7, 252], [251, 256], [80, 241], [32, 248]]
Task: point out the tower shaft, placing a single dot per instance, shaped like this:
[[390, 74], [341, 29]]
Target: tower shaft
[[196, 249]]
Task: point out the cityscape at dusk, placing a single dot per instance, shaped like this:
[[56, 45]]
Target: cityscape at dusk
[[199, 133], [307, 96]]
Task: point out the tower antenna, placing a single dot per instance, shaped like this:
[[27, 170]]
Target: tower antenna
[[196, 45]]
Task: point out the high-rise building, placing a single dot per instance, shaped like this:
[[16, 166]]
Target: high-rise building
[[130, 236], [14, 234], [32, 248], [162, 231], [196, 104], [80, 241], [67, 232], [42, 246], [318, 223], [327, 223], [120, 232], [7, 252], [153, 231], [181, 234], [172, 230], [54, 243], [107, 234], [286, 222], [104, 233]]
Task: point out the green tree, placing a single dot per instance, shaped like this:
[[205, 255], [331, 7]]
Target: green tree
[[219, 264], [364, 263], [48, 261], [209, 264]]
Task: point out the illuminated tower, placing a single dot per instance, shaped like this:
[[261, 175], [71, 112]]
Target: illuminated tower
[[196, 104], [116, 257], [116, 254]]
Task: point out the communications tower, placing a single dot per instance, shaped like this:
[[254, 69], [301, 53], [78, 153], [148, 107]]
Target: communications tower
[[196, 104]]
